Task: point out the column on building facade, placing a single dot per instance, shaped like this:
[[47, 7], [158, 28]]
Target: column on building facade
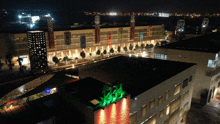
[[50, 32], [132, 27], [97, 29]]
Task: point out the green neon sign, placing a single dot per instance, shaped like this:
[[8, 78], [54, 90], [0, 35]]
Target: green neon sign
[[111, 95]]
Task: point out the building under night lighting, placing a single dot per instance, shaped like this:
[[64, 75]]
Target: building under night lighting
[[119, 90], [203, 50], [37, 50], [160, 91], [97, 38]]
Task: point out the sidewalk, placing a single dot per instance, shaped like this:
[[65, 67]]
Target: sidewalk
[[199, 114]]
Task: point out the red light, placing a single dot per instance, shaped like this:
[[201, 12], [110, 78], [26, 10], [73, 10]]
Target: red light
[[10, 102], [73, 80], [115, 113]]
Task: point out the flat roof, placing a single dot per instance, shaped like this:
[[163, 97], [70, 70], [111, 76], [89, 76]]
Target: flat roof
[[136, 74], [206, 43], [86, 90]]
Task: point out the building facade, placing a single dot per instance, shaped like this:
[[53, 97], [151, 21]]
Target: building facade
[[37, 50], [109, 38], [166, 103], [152, 102], [205, 53]]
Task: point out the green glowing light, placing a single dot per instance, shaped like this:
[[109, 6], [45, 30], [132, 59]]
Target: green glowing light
[[111, 95], [90, 107]]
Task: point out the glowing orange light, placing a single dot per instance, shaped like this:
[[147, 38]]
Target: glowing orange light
[[124, 103], [102, 116], [115, 113]]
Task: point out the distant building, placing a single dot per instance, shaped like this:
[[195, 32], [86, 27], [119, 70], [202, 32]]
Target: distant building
[[97, 37], [203, 50], [160, 91], [37, 50]]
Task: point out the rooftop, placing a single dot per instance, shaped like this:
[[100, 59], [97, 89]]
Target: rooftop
[[136, 74], [206, 43]]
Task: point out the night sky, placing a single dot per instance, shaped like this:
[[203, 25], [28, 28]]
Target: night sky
[[201, 6]]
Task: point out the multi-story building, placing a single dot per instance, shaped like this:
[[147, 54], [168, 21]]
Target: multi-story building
[[160, 91], [203, 50], [119, 90], [109, 38], [37, 50]]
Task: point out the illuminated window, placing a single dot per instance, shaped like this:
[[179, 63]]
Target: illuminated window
[[152, 103], [167, 94], [161, 113], [133, 118], [185, 95], [144, 110], [167, 109], [160, 100], [177, 89], [186, 106]]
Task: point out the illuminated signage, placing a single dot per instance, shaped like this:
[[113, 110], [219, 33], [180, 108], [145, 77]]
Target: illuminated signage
[[111, 95], [47, 91], [141, 36]]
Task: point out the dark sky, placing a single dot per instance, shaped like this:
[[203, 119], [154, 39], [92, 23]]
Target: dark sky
[[202, 6]]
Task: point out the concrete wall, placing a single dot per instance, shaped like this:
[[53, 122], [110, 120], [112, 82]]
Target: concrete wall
[[201, 58], [159, 90]]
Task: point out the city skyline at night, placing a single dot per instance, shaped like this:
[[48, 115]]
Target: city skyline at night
[[98, 61]]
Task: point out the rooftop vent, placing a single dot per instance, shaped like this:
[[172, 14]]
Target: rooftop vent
[[94, 101]]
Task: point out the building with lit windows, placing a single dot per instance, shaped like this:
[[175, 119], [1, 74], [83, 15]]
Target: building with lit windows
[[160, 91], [203, 50], [37, 50], [118, 90], [59, 44]]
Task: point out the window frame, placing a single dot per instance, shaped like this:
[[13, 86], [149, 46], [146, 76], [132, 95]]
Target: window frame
[[178, 90], [152, 105], [167, 95]]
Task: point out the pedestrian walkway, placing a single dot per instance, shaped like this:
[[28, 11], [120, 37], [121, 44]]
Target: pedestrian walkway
[[199, 114]]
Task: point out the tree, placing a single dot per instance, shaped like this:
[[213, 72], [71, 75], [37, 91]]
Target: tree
[[76, 59], [98, 52], [102, 55], [130, 47], [104, 52], [82, 54], [142, 46], [65, 58], [55, 60], [111, 50], [125, 48], [151, 45], [119, 49], [9, 58], [157, 44], [20, 60], [147, 46], [136, 47], [90, 54]]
